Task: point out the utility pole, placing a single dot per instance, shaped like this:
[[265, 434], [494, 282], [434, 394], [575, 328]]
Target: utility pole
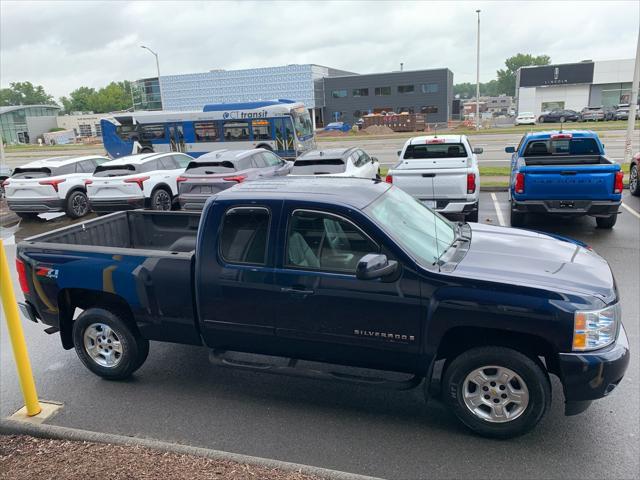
[[401, 66], [633, 105], [478, 76]]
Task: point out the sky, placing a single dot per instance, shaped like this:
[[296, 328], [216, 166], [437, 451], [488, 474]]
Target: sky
[[65, 45]]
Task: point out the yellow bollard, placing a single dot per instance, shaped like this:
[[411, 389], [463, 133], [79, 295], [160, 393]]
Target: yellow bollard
[[17, 337]]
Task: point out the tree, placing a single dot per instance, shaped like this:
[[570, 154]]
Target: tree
[[25, 93], [80, 100], [468, 90], [115, 96], [507, 77]]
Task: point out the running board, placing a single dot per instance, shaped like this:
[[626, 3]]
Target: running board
[[217, 357]]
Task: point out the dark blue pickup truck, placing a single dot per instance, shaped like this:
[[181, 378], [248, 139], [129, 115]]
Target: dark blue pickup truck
[[278, 275], [564, 173]]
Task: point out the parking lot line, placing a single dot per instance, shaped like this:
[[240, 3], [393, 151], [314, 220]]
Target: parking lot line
[[631, 210], [498, 211]]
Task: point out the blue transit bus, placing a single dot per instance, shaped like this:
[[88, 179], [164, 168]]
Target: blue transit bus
[[282, 126]]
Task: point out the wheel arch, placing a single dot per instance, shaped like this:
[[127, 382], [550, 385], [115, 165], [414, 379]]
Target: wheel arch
[[163, 186], [265, 146]]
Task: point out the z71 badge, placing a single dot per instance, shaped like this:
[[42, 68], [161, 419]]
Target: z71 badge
[[47, 272]]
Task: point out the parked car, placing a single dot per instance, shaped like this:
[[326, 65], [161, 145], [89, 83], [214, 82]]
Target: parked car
[[634, 188], [622, 112], [337, 162], [559, 115], [51, 185], [339, 126], [5, 172], [526, 118], [345, 271], [216, 171], [592, 114], [610, 113], [441, 172], [564, 174], [137, 181]]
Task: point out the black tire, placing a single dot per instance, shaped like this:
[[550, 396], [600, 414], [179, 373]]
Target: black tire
[[473, 216], [634, 188], [530, 378], [161, 199], [134, 348], [28, 215], [146, 150], [606, 222], [77, 204], [518, 219], [541, 119]]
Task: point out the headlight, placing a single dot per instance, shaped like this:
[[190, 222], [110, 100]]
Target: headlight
[[596, 328]]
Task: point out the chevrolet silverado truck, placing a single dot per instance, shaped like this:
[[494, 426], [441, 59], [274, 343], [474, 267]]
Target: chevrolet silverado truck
[[565, 174], [304, 276]]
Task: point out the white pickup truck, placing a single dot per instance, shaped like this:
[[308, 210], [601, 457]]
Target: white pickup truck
[[442, 172]]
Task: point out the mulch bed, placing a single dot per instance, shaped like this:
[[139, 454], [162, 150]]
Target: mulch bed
[[24, 457]]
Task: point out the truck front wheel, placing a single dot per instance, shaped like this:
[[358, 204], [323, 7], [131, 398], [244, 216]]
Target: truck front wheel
[[107, 345], [517, 218], [497, 392]]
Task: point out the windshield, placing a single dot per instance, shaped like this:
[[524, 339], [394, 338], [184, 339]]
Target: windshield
[[302, 123], [412, 225]]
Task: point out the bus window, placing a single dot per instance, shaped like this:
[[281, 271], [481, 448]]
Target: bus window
[[235, 131], [206, 131], [152, 132], [125, 132], [261, 129]]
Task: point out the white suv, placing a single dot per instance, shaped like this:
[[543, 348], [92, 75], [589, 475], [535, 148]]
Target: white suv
[[442, 172], [51, 185], [337, 162], [137, 181]]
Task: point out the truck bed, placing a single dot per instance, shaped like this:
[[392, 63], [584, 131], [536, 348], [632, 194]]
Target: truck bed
[[138, 229], [546, 160]]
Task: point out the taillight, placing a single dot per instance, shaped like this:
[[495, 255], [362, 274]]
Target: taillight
[[388, 179], [138, 180], [434, 140], [22, 275], [235, 178], [5, 183], [471, 182], [557, 136], [519, 187], [88, 182], [53, 183], [181, 179], [618, 184]]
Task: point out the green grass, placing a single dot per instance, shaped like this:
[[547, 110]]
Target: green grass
[[48, 148]]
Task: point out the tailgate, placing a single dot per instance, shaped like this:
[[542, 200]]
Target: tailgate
[[428, 179], [205, 186], [112, 188], [28, 188], [570, 182]]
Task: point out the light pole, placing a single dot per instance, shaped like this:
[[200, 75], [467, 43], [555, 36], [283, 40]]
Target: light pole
[[633, 105], [478, 76], [157, 68]]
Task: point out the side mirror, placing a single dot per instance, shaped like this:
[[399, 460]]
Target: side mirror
[[375, 265], [510, 149], [399, 152], [374, 159], [478, 150]]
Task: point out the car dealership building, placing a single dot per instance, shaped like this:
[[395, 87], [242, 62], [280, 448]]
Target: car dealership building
[[574, 86]]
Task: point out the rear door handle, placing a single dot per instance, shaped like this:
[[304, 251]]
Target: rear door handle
[[297, 291], [428, 175]]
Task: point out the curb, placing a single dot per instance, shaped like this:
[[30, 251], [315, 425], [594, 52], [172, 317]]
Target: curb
[[12, 427], [8, 219]]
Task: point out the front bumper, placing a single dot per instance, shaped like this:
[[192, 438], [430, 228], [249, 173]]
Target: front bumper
[[36, 205], [116, 204], [587, 376], [593, 208]]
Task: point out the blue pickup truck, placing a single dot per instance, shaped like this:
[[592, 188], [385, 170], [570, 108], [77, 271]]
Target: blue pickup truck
[[307, 275], [564, 173]]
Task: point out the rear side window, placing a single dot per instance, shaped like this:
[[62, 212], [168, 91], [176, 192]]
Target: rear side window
[[65, 169], [210, 168], [86, 166], [318, 166], [182, 160], [29, 173], [151, 166], [564, 146], [114, 170], [258, 161], [436, 150], [244, 235], [168, 163]]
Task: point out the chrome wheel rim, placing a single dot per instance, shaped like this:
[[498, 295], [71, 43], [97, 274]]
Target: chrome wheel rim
[[162, 200], [79, 204], [103, 345], [495, 394], [633, 179]]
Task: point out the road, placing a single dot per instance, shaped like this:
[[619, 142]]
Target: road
[[177, 396], [386, 149]]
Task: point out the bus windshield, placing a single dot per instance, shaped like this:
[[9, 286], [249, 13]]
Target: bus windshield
[[302, 124]]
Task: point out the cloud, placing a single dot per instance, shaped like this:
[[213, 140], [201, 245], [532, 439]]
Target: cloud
[[64, 45]]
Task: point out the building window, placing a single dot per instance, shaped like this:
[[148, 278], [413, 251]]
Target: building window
[[406, 109], [405, 89], [339, 93], [429, 88], [429, 109], [85, 130], [98, 130], [336, 116], [235, 131], [382, 91], [205, 131], [360, 92]]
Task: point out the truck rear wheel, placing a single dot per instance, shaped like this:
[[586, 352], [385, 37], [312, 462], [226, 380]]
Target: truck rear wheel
[[107, 345], [497, 392], [606, 222], [634, 186], [473, 216], [517, 218]]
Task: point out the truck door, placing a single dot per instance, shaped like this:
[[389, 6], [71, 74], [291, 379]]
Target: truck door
[[334, 316]]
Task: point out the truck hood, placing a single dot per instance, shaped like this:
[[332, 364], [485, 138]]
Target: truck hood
[[534, 259]]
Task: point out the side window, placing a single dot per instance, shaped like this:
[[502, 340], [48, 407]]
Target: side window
[[205, 131], [272, 159], [321, 241], [364, 158], [236, 131], [244, 235], [355, 159], [86, 166], [150, 166], [181, 161], [167, 163], [261, 129], [258, 161], [65, 169]]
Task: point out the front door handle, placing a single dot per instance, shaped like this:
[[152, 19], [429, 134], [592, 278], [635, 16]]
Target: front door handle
[[297, 291]]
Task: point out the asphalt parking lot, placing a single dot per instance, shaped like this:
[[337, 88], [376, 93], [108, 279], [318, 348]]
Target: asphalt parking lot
[[178, 396]]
